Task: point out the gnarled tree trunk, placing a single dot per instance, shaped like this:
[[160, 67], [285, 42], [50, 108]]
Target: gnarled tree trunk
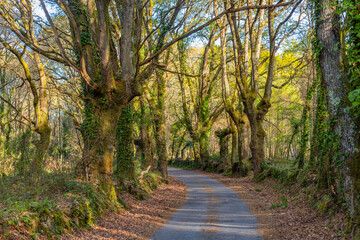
[[204, 148], [98, 130], [160, 130], [257, 144], [337, 86], [223, 136]]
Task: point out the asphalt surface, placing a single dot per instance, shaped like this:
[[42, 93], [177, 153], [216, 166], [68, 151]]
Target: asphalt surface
[[212, 211]]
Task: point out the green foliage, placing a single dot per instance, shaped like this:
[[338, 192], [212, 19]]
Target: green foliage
[[286, 174], [183, 164], [86, 38], [323, 204], [53, 205], [142, 188], [352, 49], [283, 203], [124, 136]]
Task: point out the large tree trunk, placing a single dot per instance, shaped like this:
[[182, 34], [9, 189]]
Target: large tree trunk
[[242, 149], [41, 111], [337, 86], [196, 149], [160, 129], [98, 130], [204, 148], [181, 141], [257, 144], [233, 145], [42, 146], [304, 136], [145, 142], [125, 170], [161, 146], [223, 136]]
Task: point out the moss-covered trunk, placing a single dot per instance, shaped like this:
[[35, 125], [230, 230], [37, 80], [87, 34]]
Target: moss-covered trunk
[[233, 147], [196, 150], [98, 130], [160, 130], [344, 124], [223, 136], [144, 142], [42, 126], [204, 148], [304, 136], [42, 146], [257, 145], [241, 149], [125, 165], [160, 139], [180, 143]]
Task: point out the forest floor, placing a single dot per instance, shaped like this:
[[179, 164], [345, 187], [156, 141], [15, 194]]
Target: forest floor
[[142, 218], [284, 212]]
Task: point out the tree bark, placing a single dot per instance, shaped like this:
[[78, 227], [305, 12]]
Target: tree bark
[[204, 148], [257, 145], [242, 147], [337, 86], [41, 111], [145, 132], [160, 130], [223, 136], [99, 138]]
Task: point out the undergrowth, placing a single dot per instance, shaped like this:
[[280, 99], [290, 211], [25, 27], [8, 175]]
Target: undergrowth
[[56, 204], [304, 182], [183, 164]]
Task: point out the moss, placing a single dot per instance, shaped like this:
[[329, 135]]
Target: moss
[[125, 156], [38, 211], [284, 174], [60, 222], [323, 205], [153, 180]]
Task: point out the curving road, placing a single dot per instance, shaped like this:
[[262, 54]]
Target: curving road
[[212, 211]]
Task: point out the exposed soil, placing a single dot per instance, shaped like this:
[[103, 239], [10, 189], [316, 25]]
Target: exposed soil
[[142, 219], [298, 221]]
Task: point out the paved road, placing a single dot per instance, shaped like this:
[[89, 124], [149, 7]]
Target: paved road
[[212, 211]]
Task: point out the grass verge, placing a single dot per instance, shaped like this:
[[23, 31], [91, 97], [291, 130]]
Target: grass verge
[[57, 204]]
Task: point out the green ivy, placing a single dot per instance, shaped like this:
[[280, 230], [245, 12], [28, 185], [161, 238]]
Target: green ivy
[[124, 137]]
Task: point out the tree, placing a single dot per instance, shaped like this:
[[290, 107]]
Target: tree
[[39, 91], [328, 50], [223, 135], [201, 94], [237, 115], [247, 65]]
